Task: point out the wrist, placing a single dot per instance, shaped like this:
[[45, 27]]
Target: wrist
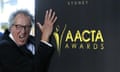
[[45, 38]]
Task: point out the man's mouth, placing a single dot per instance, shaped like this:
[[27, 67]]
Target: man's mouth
[[21, 36]]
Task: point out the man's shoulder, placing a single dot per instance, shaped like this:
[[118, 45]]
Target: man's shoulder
[[3, 43]]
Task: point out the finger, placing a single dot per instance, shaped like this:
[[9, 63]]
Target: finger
[[49, 13], [53, 15], [54, 19], [39, 25], [46, 15]]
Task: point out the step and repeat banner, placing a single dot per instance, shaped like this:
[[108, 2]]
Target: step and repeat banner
[[86, 35]]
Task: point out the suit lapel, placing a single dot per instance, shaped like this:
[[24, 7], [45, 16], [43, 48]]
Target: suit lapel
[[25, 50]]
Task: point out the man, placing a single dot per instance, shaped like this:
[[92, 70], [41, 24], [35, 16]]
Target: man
[[18, 52]]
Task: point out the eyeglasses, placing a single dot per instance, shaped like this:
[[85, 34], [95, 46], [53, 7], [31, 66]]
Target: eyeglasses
[[20, 27]]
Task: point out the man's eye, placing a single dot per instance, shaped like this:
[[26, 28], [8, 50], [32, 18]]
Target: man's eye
[[18, 26]]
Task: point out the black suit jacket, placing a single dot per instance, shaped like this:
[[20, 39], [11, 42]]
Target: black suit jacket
[[18, 59]]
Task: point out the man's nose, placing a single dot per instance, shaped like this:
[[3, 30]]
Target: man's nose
[[23, 30]]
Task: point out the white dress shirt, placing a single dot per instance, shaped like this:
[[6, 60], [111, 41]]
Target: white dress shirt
[[31, 46]]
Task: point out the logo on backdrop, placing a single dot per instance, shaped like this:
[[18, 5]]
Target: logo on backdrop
[[91, 39]]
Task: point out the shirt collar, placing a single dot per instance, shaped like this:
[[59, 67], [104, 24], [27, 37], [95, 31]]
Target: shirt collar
[[11, 36]]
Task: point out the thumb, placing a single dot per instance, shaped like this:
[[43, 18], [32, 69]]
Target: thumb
[[39, 25]]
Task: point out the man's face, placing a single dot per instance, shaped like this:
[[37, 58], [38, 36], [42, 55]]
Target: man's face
[[20, 29]]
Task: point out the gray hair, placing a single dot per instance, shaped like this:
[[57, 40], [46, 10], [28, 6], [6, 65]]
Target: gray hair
[[25, 12]]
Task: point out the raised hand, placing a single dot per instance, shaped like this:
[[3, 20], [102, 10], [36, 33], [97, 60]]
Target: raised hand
[[47, 27]]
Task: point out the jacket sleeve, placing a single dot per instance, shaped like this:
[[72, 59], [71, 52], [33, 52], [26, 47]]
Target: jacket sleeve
[[1, 68], [2, 44], [44, 56]]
